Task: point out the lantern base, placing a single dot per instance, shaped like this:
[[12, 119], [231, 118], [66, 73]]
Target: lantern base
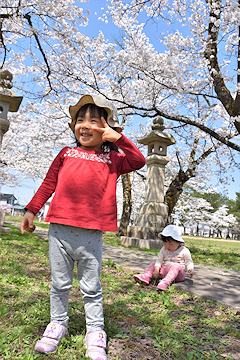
[[141, 243]]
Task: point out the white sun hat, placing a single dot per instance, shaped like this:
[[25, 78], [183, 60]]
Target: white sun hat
[[173, 231], [100, 101]]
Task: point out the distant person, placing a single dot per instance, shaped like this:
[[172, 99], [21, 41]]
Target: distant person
[[84, 205], [172, 263], [41, 215]]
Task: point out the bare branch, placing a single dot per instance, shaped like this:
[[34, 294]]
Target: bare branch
[[236, 106], [3, 45], [211, 54], [28, 18]]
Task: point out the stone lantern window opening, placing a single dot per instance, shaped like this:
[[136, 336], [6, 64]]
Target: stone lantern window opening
[[4, 108], [157, 148]]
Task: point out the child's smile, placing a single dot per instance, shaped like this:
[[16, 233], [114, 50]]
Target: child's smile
[[89, 138]]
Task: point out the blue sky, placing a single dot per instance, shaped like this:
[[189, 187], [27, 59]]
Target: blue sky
[[28, 187]]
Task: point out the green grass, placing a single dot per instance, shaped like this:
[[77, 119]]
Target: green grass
[[41, 224], [220, 253], [205, 251], [172, 325]]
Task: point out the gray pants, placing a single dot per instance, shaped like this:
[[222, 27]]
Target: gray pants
[[66, 245]]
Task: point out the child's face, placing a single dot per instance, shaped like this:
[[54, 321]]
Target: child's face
[[89, 138], [171, 245]]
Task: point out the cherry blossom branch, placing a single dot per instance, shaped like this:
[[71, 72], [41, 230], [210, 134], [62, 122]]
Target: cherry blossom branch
[[224, 140], [156, 112]]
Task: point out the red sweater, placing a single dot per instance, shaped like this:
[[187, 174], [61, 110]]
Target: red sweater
[[84, 182]]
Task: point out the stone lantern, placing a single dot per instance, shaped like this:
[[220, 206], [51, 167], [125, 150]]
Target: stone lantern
[[9, 101], [153, 213]]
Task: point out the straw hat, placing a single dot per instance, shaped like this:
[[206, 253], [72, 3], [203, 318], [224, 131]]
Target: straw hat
[[100, 101]]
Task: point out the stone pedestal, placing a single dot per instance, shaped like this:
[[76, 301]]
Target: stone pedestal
[[143, 237], [3, 229]]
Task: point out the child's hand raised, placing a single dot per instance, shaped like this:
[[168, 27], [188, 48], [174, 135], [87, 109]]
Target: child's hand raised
[[108, 134]]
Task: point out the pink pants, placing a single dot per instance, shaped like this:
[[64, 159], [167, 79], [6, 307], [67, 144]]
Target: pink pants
[[173, 272]]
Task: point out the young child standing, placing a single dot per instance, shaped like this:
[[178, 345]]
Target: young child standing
[[83, 179], [174, 259]]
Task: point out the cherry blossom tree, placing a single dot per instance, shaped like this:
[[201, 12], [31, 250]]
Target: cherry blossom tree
[[189, 83], [195, 213], [221, 221], [190, 76], [30, 27], [192, 212], [30, 32], [195, 68]]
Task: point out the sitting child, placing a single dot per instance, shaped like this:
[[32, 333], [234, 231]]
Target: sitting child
[[174, 259]]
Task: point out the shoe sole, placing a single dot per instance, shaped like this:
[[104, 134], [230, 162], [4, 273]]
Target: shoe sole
[[162, 289], [140, 281], [158, 289], [42, 351]]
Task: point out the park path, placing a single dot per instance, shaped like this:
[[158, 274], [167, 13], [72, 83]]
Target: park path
[[221, 285]]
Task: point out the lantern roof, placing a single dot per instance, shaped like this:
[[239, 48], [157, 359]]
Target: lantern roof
[[157, 134], [6, 94]]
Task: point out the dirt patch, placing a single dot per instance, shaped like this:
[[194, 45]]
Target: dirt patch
[[133, 349]]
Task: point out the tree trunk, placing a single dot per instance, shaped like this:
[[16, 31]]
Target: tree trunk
[[211, 54], [176, 187], [127, 205], [174, 191]]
